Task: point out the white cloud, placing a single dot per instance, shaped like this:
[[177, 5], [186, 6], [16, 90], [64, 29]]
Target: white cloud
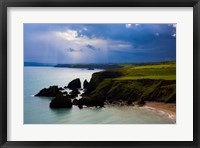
[[85, 29], [131, 25], [77, 42], [157, 34], [73, 44], [68, 35], [172, 25], [174, 35], [128, 25]]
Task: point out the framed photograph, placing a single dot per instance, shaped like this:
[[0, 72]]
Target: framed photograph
[[89, 74]]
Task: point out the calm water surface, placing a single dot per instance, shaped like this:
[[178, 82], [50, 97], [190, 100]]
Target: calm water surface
[[37, 111]]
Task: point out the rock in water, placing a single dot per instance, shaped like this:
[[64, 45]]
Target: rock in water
[[65, 93], [52, 91], [91, 102], [129, 102], [75, 102], [85, 84], [141, 102], [80, 106], [60, 88], [61, 101], [74, 84], [74, 92]]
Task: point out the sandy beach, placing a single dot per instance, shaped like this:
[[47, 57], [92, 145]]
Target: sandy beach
[[166, 108]]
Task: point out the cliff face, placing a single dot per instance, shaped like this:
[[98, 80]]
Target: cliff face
[[103, 85], [98, 77]]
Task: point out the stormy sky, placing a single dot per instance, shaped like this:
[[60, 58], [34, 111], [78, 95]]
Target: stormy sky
[[99, 43]]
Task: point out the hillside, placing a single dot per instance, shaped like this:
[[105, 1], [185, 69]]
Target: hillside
[[155, 82]]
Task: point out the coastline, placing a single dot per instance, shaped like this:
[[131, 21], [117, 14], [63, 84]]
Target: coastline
[[168, 109], [165, 108]]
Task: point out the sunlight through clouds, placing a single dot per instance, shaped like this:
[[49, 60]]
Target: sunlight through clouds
[[79, 47], [68, 35], [76, 43]]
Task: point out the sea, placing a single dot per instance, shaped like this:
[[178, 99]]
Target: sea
[[37, 111]]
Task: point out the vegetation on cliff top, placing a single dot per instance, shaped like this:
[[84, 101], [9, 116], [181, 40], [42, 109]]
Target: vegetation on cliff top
[[135, 83]]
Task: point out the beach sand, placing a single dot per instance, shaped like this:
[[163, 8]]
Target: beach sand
[[167, 108]]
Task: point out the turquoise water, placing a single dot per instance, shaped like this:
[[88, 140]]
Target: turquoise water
[[37, 111]]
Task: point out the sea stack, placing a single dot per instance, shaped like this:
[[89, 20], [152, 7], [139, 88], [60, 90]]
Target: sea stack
[[61, 101], [85, 84], [74, 84], [52, 91]]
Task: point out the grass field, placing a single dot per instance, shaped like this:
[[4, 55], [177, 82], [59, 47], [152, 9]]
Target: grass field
[[166, 71], [153, 82], [155, 77]]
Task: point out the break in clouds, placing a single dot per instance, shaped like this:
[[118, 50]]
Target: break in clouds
[[99, 43]]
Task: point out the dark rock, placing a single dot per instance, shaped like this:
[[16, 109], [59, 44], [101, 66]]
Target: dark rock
[[110, 101], [74, 84], [71, 96], [52, 91], [102, 105], [74, 93], [129, 102], [85, 84], [65, 93], [141, 102], [80, 106], [65, 87], [60, 88], [90, 102], [61, 101], [75, 102]]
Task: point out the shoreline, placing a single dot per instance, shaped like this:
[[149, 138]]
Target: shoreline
[[165, 108], [168, 109]]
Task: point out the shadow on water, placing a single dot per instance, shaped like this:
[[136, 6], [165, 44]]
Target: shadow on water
[[61, 111], [95, 109], [47, 98]]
